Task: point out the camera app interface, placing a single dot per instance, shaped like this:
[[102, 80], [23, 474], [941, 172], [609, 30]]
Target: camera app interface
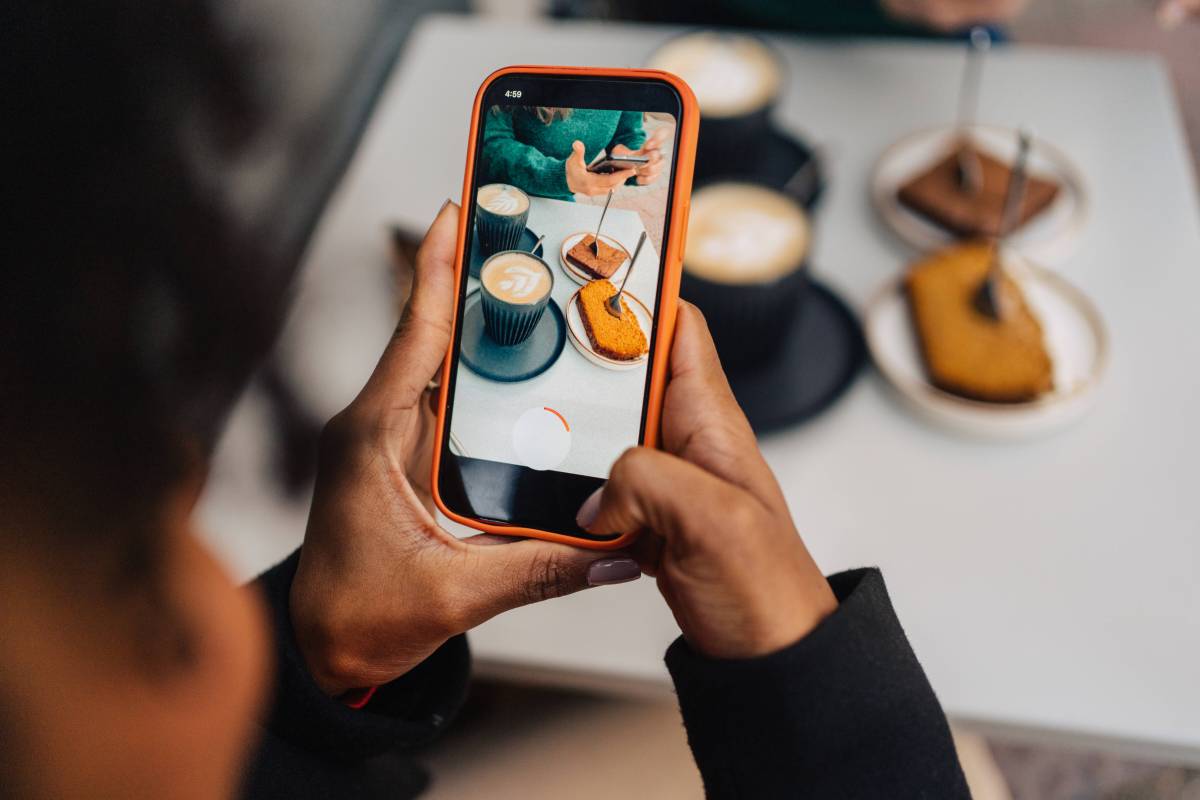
[[565, 261]]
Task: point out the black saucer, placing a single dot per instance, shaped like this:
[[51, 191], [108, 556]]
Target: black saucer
[[778, 160], [528, 239], [520, 362], [819, 357]]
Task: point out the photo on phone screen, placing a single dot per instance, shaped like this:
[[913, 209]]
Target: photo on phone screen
[[550, 384]]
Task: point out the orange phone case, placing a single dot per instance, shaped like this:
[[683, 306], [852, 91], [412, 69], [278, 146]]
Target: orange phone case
[[672, 268]]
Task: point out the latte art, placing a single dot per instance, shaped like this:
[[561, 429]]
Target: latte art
[[744, 233], [504, 203], [516, 278], [519, 282], [730, 74], [502, 199]]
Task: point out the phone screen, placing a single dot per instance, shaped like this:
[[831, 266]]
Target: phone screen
[[551, 376]]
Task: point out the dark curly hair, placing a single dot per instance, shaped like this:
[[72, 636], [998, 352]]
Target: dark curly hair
[[134, 305]]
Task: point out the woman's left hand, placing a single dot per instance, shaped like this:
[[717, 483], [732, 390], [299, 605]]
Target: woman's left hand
[[380, 584], [647, 173]]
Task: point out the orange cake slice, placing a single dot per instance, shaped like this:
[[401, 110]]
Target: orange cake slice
[[619, 339], [966, 352], [603, 264]]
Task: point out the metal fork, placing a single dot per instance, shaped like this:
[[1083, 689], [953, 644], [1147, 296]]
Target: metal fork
[[987, 299], [614, 302]]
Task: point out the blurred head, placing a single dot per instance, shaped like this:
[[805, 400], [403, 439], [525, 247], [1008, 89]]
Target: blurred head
[[132, 311]]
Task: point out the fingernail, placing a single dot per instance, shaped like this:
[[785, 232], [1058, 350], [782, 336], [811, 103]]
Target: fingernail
[[590, 509], [608, 571], [445, 203]]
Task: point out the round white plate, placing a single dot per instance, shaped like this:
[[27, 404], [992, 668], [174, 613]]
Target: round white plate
[[578, 275], [1075, 336], [1050, 237], [577, 333]]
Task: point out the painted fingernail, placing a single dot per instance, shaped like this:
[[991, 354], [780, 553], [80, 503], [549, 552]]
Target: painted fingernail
[[608, 571], [590, 509]]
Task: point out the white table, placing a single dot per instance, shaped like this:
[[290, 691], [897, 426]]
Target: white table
[[1047, 586], [601, 407]]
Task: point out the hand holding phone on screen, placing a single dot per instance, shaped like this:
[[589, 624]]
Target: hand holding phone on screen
[[651, 151], [543, 389], [587, 180]]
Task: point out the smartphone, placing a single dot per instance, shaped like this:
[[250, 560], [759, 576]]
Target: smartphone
[[605, 165], [547, 381]]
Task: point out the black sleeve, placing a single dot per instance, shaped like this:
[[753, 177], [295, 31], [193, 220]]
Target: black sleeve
[[846, 712], [311, 734]]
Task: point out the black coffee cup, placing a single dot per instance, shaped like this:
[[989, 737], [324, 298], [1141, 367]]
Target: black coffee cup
[[501, 211], [767, 233], [515, 288], [737, 79]]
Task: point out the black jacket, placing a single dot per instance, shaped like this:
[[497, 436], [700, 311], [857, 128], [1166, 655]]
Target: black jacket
[[845, 712]]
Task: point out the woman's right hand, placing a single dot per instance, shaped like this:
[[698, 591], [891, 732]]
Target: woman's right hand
[[716, 531], [954, 15], [580, 181]]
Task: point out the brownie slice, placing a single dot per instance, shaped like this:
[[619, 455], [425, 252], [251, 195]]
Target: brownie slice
[[937, 195], [602, 264], [965, 352]]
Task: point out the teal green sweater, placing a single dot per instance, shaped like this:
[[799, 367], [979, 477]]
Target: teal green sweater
[[520, 149]]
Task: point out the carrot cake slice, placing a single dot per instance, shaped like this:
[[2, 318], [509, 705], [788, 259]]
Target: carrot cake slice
[[966, 352], [620, 339]]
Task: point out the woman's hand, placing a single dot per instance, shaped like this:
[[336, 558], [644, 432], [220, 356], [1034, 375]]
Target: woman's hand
[[1173, 13], [953, 15], [380, 585], [580, 181], [716, 529], [647, 173]]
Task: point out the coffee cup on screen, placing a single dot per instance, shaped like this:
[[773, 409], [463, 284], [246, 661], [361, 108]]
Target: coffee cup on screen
[[744, 266], [737, 79], [501, 211], [514, 291]]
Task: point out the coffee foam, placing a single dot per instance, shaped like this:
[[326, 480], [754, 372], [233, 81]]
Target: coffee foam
[[516, 278], [731, 75], [500, 198], [744, 233]]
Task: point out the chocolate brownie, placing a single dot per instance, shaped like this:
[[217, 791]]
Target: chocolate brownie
[[937, 195]]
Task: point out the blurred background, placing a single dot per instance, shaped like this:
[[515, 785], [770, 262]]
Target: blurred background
[[1054, 690]]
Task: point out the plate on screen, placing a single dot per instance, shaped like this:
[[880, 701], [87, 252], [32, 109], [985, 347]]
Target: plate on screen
[[577, 333], [577, 273]]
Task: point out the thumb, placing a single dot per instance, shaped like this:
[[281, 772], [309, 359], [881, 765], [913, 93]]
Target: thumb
[[702, 421], [422, 337], [509, 573], [577, 153], [657, 492]]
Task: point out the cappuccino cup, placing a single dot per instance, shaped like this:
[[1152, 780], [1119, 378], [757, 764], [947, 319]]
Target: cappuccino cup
[[514, 292], [744, 266], [501, 211], [737, 79]]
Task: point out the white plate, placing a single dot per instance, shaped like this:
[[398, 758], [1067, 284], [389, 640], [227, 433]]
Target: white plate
[[578, 275], [1075, 336], [1050, 237], [577, 333]]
